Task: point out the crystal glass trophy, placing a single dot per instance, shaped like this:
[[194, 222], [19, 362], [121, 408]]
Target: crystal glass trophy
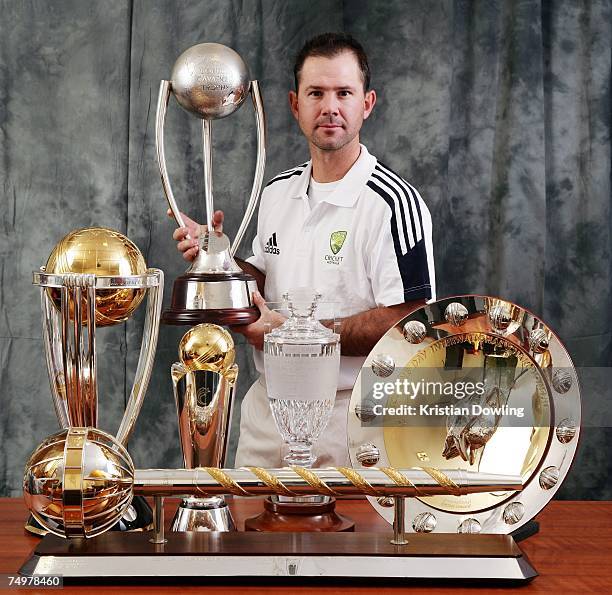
[[302, 363]]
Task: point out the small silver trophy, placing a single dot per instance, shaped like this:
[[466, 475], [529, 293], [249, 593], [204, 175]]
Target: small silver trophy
[[211, 81], [204, 382]]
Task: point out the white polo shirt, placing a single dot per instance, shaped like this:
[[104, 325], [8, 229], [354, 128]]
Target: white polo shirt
[[366, 244]]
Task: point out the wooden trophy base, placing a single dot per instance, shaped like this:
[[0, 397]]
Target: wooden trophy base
[[234, 555], [218, 298], [299, 518]]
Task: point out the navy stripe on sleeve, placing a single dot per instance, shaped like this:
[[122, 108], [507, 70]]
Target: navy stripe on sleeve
[[288, 174], [410, 191], [412, 265], [406, 194]]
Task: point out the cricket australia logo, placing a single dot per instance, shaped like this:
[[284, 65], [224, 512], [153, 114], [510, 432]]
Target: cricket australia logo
[[336, 241], [271, 246]]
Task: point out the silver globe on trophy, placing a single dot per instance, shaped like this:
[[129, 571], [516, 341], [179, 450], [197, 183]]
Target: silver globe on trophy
[[211, 81], [96, 277], [204, 382]]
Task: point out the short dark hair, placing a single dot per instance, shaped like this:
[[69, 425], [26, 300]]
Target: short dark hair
[[328, 45]]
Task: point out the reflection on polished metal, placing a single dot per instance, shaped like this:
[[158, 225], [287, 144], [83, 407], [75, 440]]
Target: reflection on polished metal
[[159, 524], [467, 435], [469, 526], [204, 384], [505, 317], [105, 253], [562, 381], [368, 454], [365, 411], [386, 501], [203, 514], [500, 317], [456, 313], [538, 340], [399, 521], [96, 277], [513, 513], [383, 365], [211, 81], [523, 368], [566, 430], [549, 478], [316, 556], [424, 523], [415, 331], [207, 347], [84, 478]]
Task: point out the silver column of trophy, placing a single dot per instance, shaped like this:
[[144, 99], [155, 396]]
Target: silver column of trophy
[[96, 277], [211, 81], [204, 382]]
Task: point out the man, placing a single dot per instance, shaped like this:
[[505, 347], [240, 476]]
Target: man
[[342, 223]]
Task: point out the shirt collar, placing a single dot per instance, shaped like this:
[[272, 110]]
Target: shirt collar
[[349, 188]]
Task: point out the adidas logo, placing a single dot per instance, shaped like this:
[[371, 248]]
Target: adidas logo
[[271, 246]]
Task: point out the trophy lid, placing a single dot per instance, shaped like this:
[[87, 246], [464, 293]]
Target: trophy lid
[[302, 326]]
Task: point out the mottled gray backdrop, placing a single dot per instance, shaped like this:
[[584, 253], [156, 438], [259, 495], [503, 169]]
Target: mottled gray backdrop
[[498, 111]]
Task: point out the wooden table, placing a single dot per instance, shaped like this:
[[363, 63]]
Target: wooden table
[[572, 552]]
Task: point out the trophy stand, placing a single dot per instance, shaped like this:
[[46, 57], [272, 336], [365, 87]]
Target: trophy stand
[[73, 305], [299, 517], [203, 385], [211, 81], [50, 489]]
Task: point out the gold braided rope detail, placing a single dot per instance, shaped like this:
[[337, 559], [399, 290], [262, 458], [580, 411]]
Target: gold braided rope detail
[[202, 492], [313, 480], [226, 481], [271, 481], [398, 478], [444, 480], [358, 481]]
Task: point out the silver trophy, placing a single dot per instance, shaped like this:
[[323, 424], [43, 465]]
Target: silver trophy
[[525, 419], [211, 81], [204, 382], [96, 277]]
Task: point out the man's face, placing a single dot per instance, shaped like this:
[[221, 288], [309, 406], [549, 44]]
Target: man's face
[[331, 105]]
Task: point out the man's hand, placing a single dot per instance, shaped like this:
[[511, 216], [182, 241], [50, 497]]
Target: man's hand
[[189, 246], [268, 320], [360, 332]]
